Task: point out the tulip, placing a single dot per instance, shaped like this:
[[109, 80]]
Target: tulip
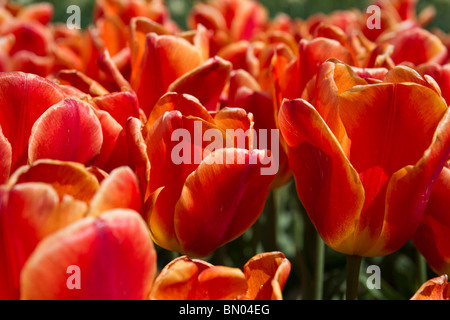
[[179, 215], [159, 60], [24, 97], [440, 73], [110, 30], [363, 171], [229, 21], [263, 278], [120, 262], [125, 11], [434, 289], [33, 44], [431, 237], [245, 92], [423, 46], [47, 196], [36, 111], [215, 70]]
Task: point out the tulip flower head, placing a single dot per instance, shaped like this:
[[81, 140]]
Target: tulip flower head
[[364, 172]]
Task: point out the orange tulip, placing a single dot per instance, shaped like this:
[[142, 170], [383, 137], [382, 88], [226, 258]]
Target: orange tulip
[[245, 92], [181, 216], [120, 262], [24, 98], [432, 235], [263, 278], [229, 21], [364, 171], [41, 119], [159, 60], [32, 43], [434, 289], [440, 73], [47, 196], [415, 46]]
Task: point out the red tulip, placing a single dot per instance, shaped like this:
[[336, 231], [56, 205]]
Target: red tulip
[[266, 275], [186, 279], [434, 289], [229, 21], [125, 11], [61, 131], [363, 167], [415, 46], [120, 262], [35, 45], [180, 216], [215, 70], [161, 61], [291, 75], [24, 98], [432, 236], [245, 92], [48, 196], [440, 73], [263, 278]]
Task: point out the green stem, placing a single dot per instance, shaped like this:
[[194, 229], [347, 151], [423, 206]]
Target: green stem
[[271, 223], [256, 236], [353, 268], [319, 263], [421, 268]]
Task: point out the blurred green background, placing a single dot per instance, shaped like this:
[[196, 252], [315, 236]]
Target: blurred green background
[[284, 224], [295, 8]]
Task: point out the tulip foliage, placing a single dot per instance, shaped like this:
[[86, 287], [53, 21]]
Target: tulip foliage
[[238, 158]]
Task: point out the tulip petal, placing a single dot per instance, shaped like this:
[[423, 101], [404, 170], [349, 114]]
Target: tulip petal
[[29, 36], [113, 152], [215, 70], [119, 190], [66, 178], [266, 275], [401, 73], [82, 82], [166, 59], [29, 62], [322, 171], [233, 119], [177, 280], [409, 191], [169, 168], [186, 279], [333, 77], [24, 212], [185, 103], [41, 12], [248, 19], [441, 74], [232, 206], [381, 121], [121, 105], [416, 46], [434, 289], [5, 158], [369, 129], [120, 263], [220, 283], [68, 131], [430, 237], [236, 53], [315, 52], [137, 149], [23, 98]]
